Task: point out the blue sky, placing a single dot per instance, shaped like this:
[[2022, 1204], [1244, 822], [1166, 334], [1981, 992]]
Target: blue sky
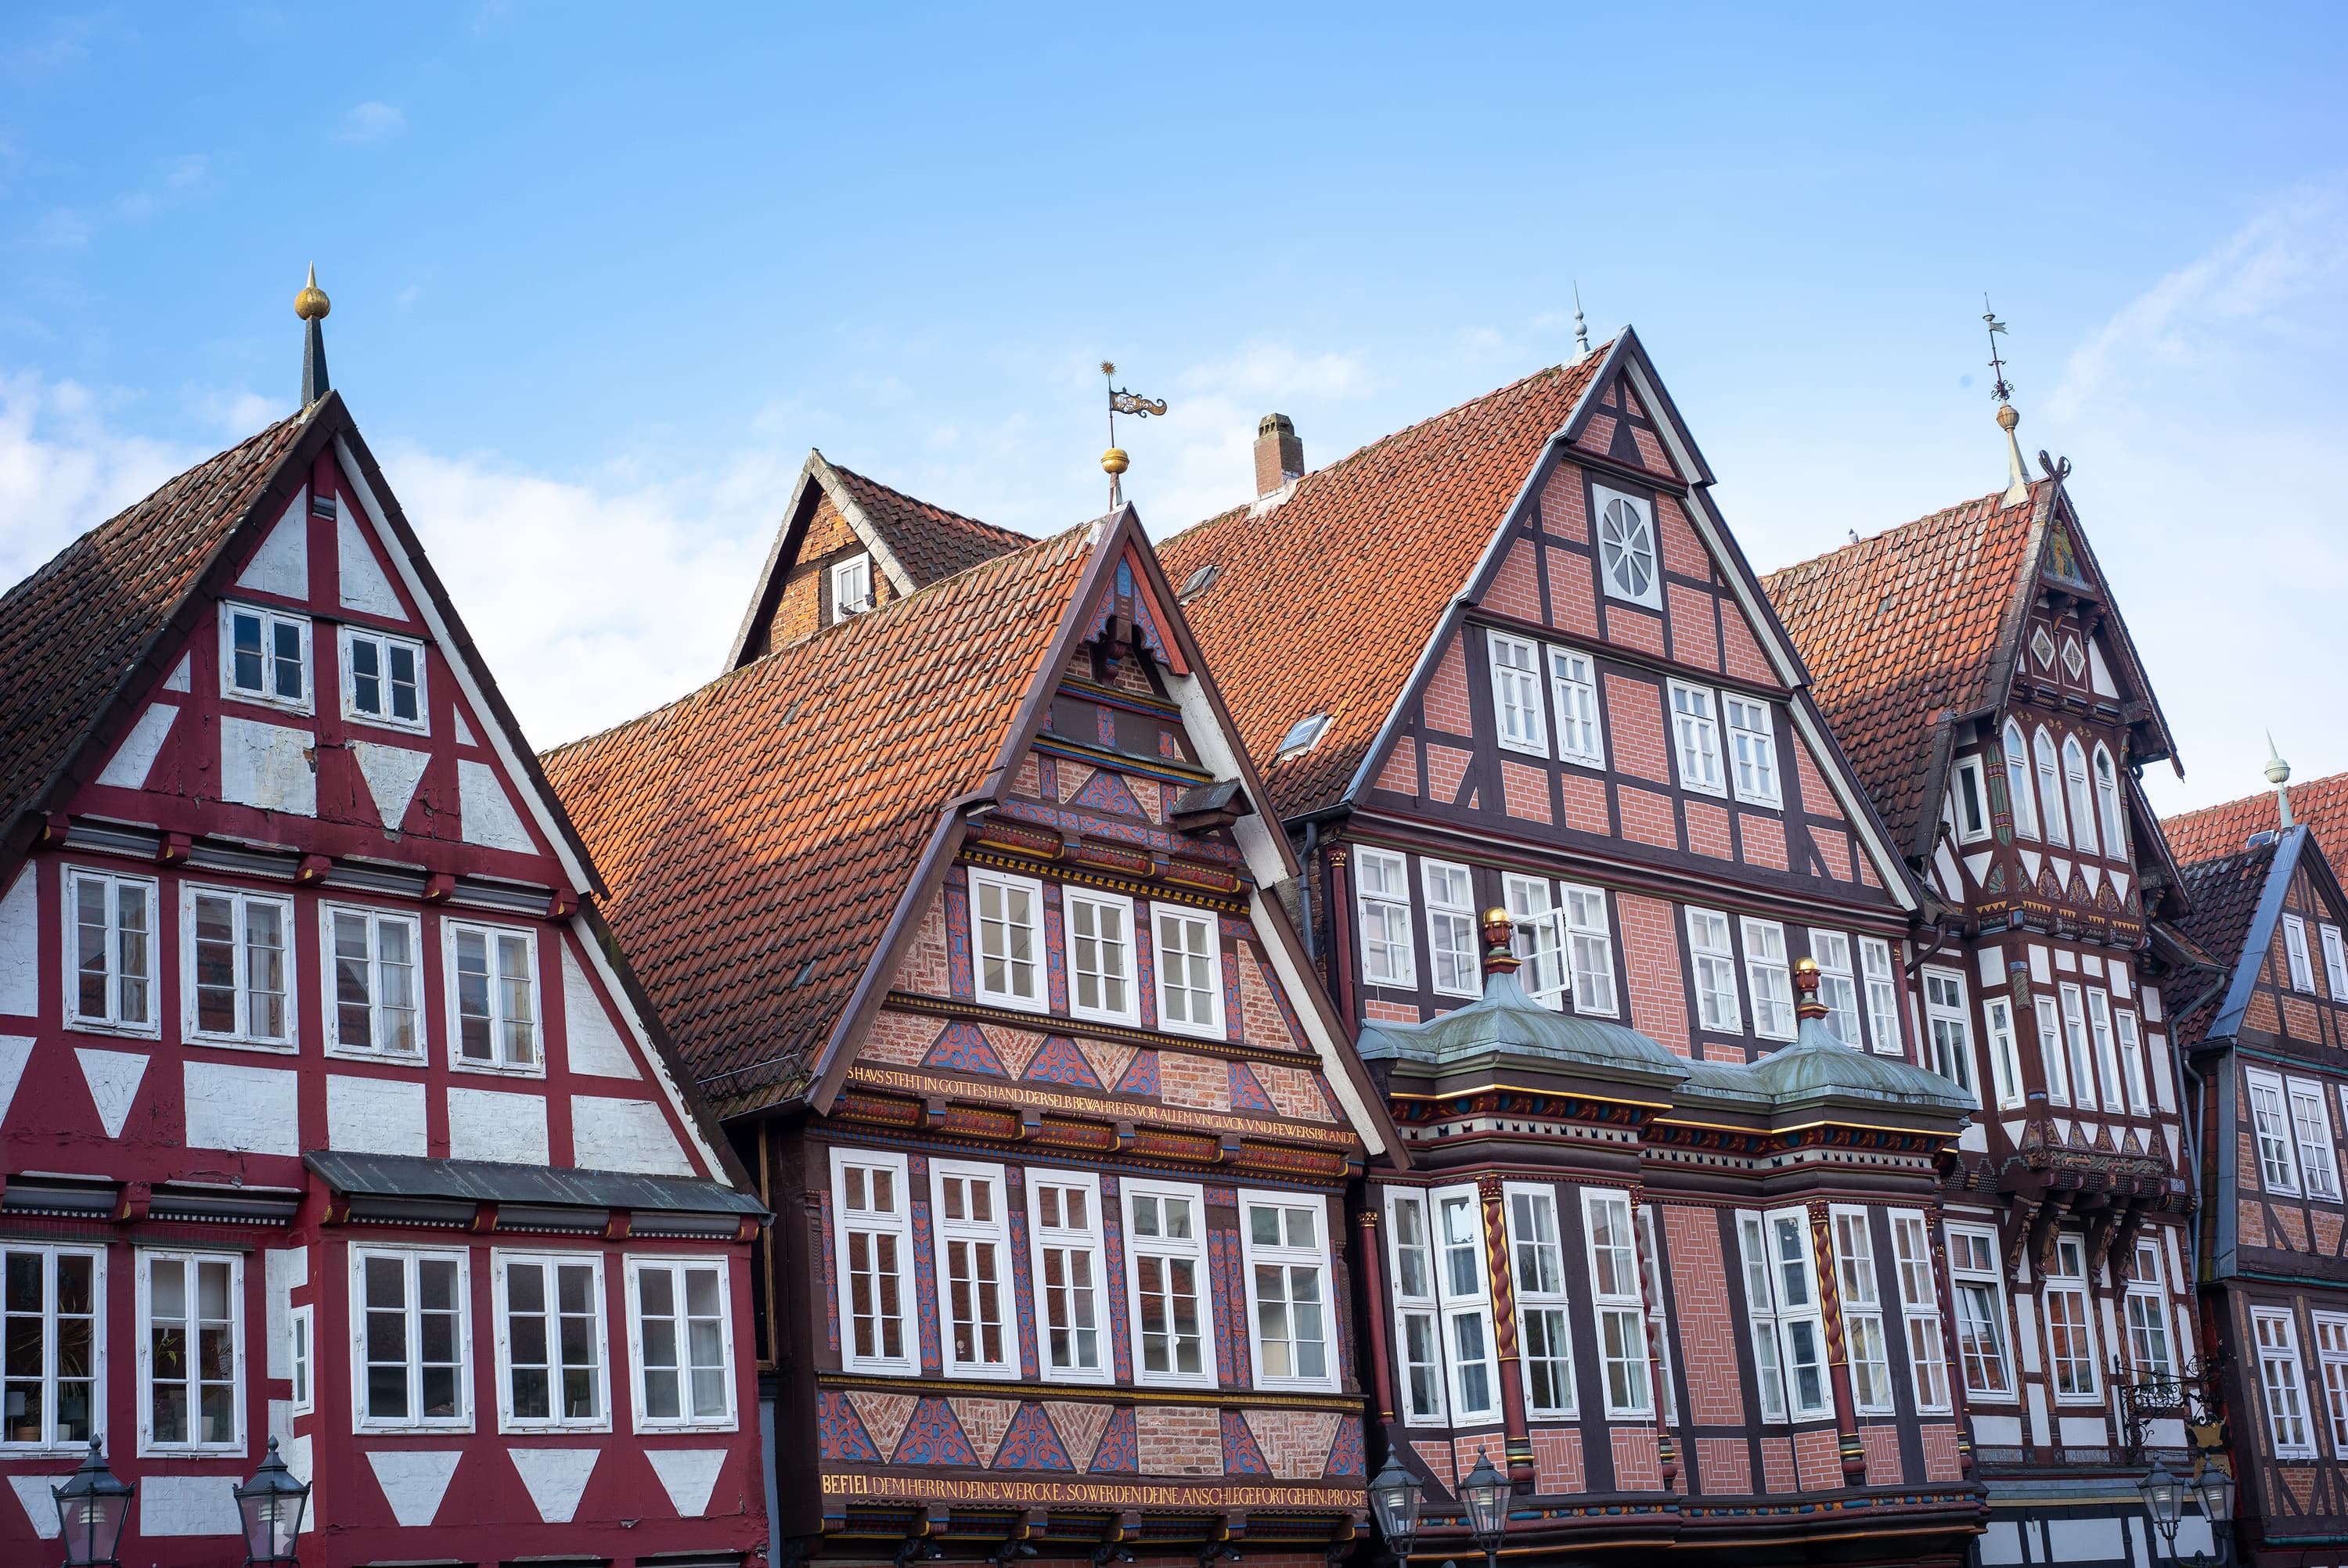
[[601, 276]]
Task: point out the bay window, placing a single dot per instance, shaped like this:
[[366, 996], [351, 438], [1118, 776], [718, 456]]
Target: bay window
[[1862, 1312], [1468, 1334], [1615, 1302], [1417, 1311], [1919, 1310], [551, 1359], [1544, 1338], [1761, 1312]]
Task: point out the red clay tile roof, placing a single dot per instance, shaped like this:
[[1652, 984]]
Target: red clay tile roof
[[928, 541], [1357, 566], [2215, 830], [1896, 627], [70, 631], [758, 835]]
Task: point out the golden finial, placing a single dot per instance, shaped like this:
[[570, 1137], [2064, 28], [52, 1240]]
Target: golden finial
[[310, 304], [2007, 418], [1114, 461]]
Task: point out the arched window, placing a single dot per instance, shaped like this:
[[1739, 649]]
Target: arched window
[[2107, 795], [2017, 782], [2081, 796], [2050, 788]]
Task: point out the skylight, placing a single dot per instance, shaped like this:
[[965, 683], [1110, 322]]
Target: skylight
[[1199, 582], [1302, 737]]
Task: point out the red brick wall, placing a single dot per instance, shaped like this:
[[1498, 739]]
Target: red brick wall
[[1637, 1460], [1198, 1081], [1599, 434], [1572, 597], [1516, 587], [1740, 652], [1765, 840], [1557, 1460], [1777, 1464], [1650, 954], [1694, 639], [1585, 804], [1445, 769], [1562, 508], [1725, 1466], [1707, 828], [1817, 1455], [1447, 693], [2251, 1222], [1651, 453], [1635, 629], [1816, 799], [2293, 1223], [1708, 1328], [1390, 1012], [1525, 791], [1401, 772], [1940, 1453], [1884, 1465], [1634, 713], [1834, 851], [1647, 816], [926, 968], [1436, 1454], [1179, 1439], [1682, 552]]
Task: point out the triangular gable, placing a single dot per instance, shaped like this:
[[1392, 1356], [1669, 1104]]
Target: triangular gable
[[2290, 847]]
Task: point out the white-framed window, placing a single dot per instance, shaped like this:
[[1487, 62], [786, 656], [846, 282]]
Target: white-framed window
[[1382, 889], [492, 998], [2277, 1347], [1761, 1312], [1696, 735], [1190, 954], [2331, 1359], [1615, 1303], [383, 680], [977, 1328], [1536, 936], [1071, 1304], [2310, 1127], [2270, 1124], [2107, 801], [2131, 1060], [265, 657], [1517, 694], [236, 969], [1801, 1329], [1948, 1020], [1284, 1247], [190, 1352], [372, 980], [1977, 1292], [2335, 962], [1418, 1334], [2050, 1050], [53, 1325], [1659, 1329], [2050, 788], [2294, 947], [1543, 1335], [1589, 948], [2080, 795], [1882, 981], [1468, 1341], [852, 587], [1920, 1311], [552, 1363], [2146, 1306], [2070, 1330], [1627, 560], [2074, 1037], [1868, 1353], [1752, 749], [1100, 957], [1007, 930], [2017, 782], [1969, 801], [1166, 1281], [1573, 686], [1837, 987], [874, 1210], [109, 982], [1769, 978], [411, 1321], [300, 1352], [1716, 972], [2005, 1056], [681, 1343], [1451, 929], [2107, 1061]]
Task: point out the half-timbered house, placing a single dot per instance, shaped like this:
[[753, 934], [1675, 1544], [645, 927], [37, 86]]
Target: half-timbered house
[[1511, 659], [964, 909], [327, 1118]]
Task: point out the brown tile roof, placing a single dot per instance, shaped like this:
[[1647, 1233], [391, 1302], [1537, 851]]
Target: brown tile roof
[[758, 835], [928, 541], [2215, 830], [1355, 568], [71, 631], [2225, 894], [1899, 627]]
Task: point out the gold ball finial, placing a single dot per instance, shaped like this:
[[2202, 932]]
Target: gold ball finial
[[2006, 417], [1107, 368], [1114, 461], [311, 304]]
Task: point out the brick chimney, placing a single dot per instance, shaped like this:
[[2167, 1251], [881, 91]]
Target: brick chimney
[[1278, 455]]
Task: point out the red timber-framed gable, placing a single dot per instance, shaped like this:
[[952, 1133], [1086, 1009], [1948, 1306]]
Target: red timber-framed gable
[[299, 970]]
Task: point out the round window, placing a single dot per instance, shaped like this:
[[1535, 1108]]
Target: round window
[[1626, 549]]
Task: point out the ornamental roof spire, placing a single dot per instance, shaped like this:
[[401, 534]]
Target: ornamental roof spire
[[312, 305], [1114, 462], [2017, 489], [2279, 775]]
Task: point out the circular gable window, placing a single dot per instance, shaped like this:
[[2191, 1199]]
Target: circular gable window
[[1626, 549]]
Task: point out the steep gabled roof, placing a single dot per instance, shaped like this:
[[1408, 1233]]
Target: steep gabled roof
[[2215, 830], [2226, 893]]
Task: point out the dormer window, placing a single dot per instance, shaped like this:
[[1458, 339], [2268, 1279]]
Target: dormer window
[[1302, 737], [852, 587], [1626, 548], [1971, 804], [265, 657]]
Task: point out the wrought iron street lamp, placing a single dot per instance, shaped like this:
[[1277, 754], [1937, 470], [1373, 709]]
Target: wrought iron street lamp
[[2164, 1499], [1394, 1500], [1486, 1492], [92, 1509], [2216, 1490], [270, 1505]]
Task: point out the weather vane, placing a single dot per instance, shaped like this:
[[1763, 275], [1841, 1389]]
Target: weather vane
[[2000, 388], [1114, 461]]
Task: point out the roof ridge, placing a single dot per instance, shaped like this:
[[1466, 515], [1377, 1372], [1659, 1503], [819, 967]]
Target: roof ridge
[[908, 496], [1884, 534]]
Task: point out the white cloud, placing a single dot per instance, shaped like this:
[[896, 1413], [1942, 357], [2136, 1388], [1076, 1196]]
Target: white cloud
[[372, 121], [66, 467]]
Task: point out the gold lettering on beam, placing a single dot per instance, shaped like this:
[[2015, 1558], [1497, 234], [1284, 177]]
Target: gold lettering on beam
[[997, 1490], [1024, 1095]]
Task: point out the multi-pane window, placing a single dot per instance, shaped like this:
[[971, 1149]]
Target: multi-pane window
[[1862, 1313], [1573, 687], [680, 1330], [1064, 1216], [1009, 932], [1166, 1252], [1769, 978], [1535, 939], [191, 1350], [1190, 958], [383, 679], [2004, 1057], [110, 955], [2074, 1037], [300, 1352], [2331, 1356], [371, 966], [238, 976], [414, 1324], [2050, 788], [1761, 1309], [1614, 1298], [2108, 1062], [2070, 1337], [1468, 1336], [974, 1263], [1801, 1328], [1284, 1248], [2107, 800], [2270, 1124], [1417, 1313], [2050, 1050], [1100, 958], [1659, 1329], [1753, 749], [875, 1220], [2310, 1127], [1589, 948], [1948, 1021], [1626, 547], [852, 587], [1927, 1364], [2017, 782], [2336, 961], [1383, 881], [1517, 694], [2148, 1312], [1836, 987], [1978, 1296], [1882, 983], [52, 1314], [1451, 929], [2131, 1060], [1968, 801], [265, 656], [2277, 1347], [2080, 795], [2294, 947], [551, 1342], [1543, 1337], [1716, 972], [1697, 736], [494, 998]]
